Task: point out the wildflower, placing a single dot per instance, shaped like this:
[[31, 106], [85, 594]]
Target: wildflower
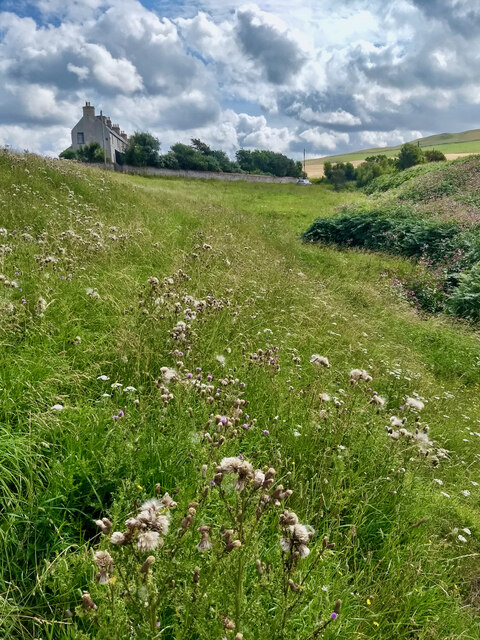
[[320, 361], [220, 359], [104, 562], [87, 602], [77, 340], [204, 544], [378, 400], [149, 540], [117, 537], [145, 568], [150, 519], [325, 397], [288, 518], [462, 538], [466, 493], [130, 388], [266, 432], [116, 385], [258, 478], [167, 502], [299, 537], [414, 404], [227, 623], [359, 374], [103, 377], [168, 374], [57, 407], [397, 422], [41, 306]]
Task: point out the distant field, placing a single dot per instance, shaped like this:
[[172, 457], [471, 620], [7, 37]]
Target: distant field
[[452, 145]]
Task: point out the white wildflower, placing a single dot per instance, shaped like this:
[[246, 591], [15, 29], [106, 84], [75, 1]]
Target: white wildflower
[[359, 374], [103, 377], [117, 537], [414, 404], [168, 374], [320, 361], [57, 407], [149, 541]]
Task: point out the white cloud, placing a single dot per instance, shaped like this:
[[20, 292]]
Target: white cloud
[[323, 140], [113, 72], [310, 71]]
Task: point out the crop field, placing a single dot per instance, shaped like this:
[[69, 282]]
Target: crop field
[[211, 429], [453, 145]]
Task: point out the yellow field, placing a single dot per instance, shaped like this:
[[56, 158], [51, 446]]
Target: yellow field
[[315, 167]]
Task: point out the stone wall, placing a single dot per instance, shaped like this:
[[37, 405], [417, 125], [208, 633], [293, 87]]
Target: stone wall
[[206, 175]]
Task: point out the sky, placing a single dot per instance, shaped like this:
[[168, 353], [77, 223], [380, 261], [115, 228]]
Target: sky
[[285, 75]]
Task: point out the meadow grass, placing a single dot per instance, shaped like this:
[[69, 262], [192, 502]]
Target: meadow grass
[[80, 246]]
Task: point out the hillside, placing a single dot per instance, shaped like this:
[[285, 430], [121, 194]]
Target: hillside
[[451, 144], [428, 212], [317, 437]]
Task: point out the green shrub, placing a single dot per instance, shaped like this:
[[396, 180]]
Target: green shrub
[[465, 300], [433, 155]]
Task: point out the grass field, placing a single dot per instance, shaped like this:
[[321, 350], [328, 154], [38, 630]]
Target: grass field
[[452, 145], [99, 272]]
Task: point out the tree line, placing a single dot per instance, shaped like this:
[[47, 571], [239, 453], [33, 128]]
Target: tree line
[[143, 150], [343, 174]]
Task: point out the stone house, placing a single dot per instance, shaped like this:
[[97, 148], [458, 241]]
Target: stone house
[[99, 128]]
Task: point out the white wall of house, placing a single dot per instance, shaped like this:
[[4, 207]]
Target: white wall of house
[[92, 128]]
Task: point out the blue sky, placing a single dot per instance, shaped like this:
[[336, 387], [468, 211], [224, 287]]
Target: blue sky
[[278, 74]]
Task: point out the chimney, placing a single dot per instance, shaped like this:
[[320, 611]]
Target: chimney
[[88, 110], [124, 135], [108, 122], [116, 128]]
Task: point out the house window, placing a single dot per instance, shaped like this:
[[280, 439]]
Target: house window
[[80, 137]]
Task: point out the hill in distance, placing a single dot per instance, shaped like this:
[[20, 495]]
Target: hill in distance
[[452, 145]]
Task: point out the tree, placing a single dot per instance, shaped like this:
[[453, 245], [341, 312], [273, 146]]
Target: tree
[[327, 170], [142, 150], [409, 156], [262, 161], [373, 167]]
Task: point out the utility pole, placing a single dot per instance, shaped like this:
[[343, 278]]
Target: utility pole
[[304, 163], [103, 140]]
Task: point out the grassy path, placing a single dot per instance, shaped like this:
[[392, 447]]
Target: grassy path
[[406, 531]]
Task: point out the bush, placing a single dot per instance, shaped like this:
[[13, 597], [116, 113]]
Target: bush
[[373, 167], [68, 154], [433, 155], [465, 299]]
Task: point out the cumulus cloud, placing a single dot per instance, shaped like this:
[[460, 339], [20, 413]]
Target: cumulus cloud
[[280, 74]]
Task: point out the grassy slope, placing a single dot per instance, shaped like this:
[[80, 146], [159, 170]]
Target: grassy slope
[[61, 470], [448, 143]]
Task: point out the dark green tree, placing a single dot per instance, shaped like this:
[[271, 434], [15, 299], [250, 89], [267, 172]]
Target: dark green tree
[[410, 155], [142, 150]]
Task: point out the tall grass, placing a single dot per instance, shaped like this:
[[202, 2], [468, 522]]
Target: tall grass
[[82, 309]]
